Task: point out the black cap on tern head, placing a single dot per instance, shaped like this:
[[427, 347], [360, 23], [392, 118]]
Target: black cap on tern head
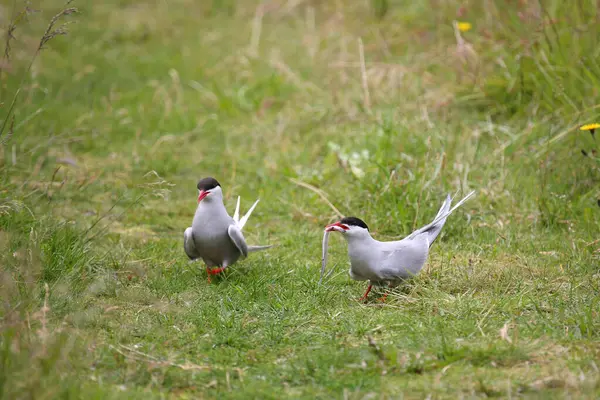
[[354, 221], [208, 183]]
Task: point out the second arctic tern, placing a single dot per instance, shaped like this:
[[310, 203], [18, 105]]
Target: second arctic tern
[[387, 263]]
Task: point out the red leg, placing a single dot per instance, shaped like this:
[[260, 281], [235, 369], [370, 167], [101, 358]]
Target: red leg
[[214, 271], [364, 297]]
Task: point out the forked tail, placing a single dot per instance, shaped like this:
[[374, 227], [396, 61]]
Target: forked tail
[[435, 227], [236, 215], [241, 222]]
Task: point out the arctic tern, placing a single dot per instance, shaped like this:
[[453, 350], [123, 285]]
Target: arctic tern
[[387, 263], [214, 236]]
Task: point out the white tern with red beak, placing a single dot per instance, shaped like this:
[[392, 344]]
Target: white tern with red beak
[[214, 236], [387, 263]]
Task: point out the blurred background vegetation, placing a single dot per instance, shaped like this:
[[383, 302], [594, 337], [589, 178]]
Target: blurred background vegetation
[[112, 110]]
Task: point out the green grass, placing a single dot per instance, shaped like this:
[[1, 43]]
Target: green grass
[[117, 120]]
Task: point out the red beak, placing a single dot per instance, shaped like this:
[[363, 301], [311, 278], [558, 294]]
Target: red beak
[[203, 194], [338, 226]]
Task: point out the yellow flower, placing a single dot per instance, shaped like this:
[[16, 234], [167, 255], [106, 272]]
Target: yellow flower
[[590, 127], [464, 26]]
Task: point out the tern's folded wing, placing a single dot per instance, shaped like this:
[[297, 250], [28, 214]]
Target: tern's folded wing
[[405, 260], [236, 236], [189, 246]]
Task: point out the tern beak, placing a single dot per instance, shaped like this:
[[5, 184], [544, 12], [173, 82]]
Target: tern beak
[[203, 194], [338, 226]]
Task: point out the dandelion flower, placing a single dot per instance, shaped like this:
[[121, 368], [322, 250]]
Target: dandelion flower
[[590, 127], [464, 26]]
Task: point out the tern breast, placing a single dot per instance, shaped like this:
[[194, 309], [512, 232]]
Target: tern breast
[[209, 229]]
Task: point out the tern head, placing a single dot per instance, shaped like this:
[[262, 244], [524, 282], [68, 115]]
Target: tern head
[[349, 227], [209, 189]]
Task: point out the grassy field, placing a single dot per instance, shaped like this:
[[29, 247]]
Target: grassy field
[[384, 107]]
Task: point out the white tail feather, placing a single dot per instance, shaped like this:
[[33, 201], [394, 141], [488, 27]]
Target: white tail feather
[[236, 214], [252, 249], [444, 215], [244, 219]]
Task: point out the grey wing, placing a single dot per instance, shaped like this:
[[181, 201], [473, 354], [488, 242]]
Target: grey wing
[[405, 261], [189, 246], [236, 236]]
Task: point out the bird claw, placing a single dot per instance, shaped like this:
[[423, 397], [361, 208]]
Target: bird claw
[[382, 299], [214, 271]]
